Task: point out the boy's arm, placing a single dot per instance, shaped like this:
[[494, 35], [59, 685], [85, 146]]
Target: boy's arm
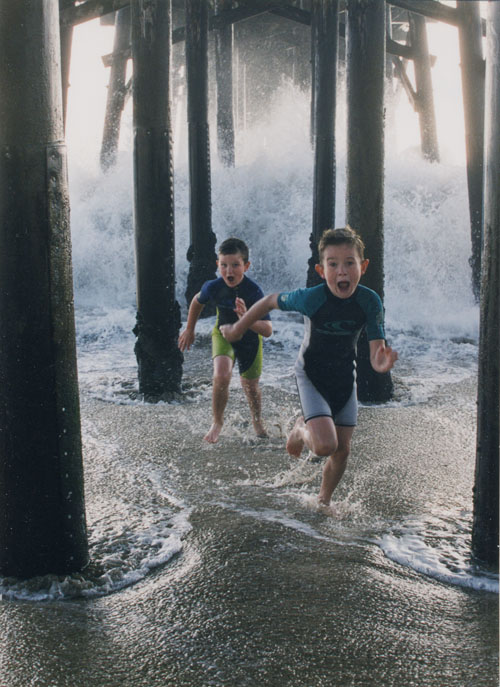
[[187, 336], [234, 332], [382, 357], [262, 327]]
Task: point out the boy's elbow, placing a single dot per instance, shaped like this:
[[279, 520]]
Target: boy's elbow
[[272, 300], [267, 329]]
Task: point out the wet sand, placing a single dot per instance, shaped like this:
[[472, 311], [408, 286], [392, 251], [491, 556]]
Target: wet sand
[[267, 590]]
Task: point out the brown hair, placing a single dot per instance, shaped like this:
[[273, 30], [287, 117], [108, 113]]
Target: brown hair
[[335, 237], [232, 246]]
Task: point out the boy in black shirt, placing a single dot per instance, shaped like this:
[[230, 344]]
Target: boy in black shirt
[[233, 293]]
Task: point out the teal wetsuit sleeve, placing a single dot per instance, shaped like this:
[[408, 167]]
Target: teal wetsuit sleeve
[[372, 305], [305, 301], [290, 300]]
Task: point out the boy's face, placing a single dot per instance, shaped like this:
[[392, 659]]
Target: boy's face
[[232, 268], [342, 268]]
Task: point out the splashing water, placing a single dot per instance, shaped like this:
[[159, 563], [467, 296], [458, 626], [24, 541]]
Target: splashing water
[[440, 548], [267, 200]]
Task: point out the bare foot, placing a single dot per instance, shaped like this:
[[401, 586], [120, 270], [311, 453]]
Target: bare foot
[[327, 509], [213, 433], [260, 430], [295, 441]]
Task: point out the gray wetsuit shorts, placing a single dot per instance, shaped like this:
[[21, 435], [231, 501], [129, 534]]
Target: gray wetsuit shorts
[[315, 405]]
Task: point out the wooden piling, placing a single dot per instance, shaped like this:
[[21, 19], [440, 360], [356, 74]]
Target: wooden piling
[[42, 514], [158, 313], [423, 80], [324, 41], [201, 253], [224, 78], [365, 160], [66, 32], [485, 521], [472, 67], [117, 90]]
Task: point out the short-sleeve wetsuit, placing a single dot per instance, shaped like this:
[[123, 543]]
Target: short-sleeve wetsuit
[[247, 351], [327, 358]]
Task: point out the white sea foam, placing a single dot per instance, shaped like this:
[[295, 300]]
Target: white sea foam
[[119, 559], [275, 516], [124, 545], [439, 547], [266, 199]]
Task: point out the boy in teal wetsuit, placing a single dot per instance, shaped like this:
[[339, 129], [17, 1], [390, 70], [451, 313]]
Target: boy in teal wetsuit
[[232, 293], [335, 313]]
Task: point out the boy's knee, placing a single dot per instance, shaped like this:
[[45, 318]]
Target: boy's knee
[[324, 448], [221, 380], [251, 384]]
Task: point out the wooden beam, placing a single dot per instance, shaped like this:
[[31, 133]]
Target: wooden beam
[[429, 8], [124, 54], [393, 47], [403, 76], [399, 49], [92, 9], [433, 9], [237, 14], [292, 13]]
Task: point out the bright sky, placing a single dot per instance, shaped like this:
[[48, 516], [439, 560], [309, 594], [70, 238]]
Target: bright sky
[[87, 97]]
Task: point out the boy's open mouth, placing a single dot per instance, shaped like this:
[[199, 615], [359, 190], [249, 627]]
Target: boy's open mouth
[[343, 285], [230, 279]]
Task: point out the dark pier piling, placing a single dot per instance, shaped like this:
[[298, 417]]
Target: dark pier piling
[[224, 78], [324, 50], [201, 253], [485, 525], [66, 37], [158, 313], [117, 89], [365, 160], [423, 80], [473, 67], [42, 515]]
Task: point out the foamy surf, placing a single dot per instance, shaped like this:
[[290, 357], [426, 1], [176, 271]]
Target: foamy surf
[[439, 547], [118, 560]]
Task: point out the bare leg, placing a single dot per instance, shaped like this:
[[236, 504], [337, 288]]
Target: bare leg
[[223, 367], [296, 440], [318, 435], [254, 396], [335, 465]]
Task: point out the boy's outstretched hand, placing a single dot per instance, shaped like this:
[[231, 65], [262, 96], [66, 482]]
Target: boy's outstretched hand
[[382, 357], [186, 339], [227, 330], [240, 307]]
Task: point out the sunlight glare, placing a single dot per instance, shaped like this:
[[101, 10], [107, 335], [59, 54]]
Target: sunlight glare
[[89, 79]]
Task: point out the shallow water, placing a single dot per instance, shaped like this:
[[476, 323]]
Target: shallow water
[[213, 566]]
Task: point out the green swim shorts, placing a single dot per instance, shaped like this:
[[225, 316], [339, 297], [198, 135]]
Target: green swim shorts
[[247, 352]]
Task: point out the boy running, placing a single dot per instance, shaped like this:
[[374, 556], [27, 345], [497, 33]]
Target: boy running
[[335, 313], [232, 293]]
